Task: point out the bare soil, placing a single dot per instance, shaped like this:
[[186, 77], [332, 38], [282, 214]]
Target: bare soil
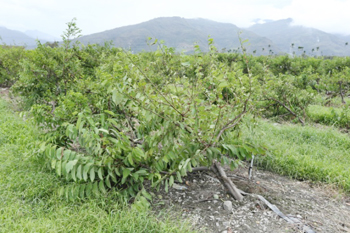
[[319, 207], [4, 92]]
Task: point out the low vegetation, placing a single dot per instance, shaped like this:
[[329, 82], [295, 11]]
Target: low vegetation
[[304, 152], [101, 122], [29, 200]]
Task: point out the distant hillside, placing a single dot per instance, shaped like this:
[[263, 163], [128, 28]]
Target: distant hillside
[[41, 36], [264, 38], [345, 38], [225, 35], [12, 37], [180, 33], [283, 34]]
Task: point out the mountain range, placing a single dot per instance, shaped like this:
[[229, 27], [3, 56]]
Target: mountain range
[[13, 37], [269, 37]]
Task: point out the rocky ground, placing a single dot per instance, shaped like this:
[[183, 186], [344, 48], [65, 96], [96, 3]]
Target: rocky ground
[[203, 200]]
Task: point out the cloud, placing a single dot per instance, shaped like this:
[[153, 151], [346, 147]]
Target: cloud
[[327, 15], [51, 16]]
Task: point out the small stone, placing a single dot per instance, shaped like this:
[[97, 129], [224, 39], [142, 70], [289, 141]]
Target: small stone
[[228, 206], [226, 224], [179, 187], [194, 181], [211, 218], [215, 196]]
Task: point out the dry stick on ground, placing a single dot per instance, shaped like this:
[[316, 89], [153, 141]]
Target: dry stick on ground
[[228, 183]]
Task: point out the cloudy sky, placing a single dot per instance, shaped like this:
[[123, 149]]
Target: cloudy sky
[[51, 16]]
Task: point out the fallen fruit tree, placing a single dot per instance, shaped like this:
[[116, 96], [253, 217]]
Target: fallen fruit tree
[[149, 116], [113, 119]]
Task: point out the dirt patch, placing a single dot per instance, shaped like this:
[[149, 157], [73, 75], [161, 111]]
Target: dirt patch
[[6, 95], [4, 92], [200, 199]]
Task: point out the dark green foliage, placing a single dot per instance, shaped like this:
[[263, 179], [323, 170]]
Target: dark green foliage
[[10, 66]]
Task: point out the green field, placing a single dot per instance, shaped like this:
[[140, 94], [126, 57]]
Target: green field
[[304, 152]]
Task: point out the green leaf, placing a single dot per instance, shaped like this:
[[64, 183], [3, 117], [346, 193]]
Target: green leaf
[[126, 173], [171, 181], [117, 97], [66, 154], [110, 113], [79, 172], [79, 120], [100, 171], [186, 64], [92, 174], [86, 170], [103, 130], [63, 168], [178, 176], [223, 84], [53, 163], [114, 178], [95, 189], [70, 165], [59, 153], [61, 191], [76, 191], [89, 189], [74, 171], [102, 187], [146, 194], [82, 191], [108, 182], [138, 153], [166, 186], [130, 159]]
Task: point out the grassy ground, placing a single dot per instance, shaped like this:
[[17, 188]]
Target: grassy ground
[[28, 199], [318, 154], [335, 116]]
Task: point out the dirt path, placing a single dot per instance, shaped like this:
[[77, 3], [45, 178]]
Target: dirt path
[[320, 208]]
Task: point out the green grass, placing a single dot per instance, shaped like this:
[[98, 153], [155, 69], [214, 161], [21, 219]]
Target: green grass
[[339, 117], [28, 194], [306, 153], [321, 99]]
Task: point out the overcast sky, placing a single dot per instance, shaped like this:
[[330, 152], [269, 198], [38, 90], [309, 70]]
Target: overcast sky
[[51, 16]]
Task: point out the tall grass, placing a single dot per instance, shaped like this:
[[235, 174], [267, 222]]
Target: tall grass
[[339, 117], [318, 154], [28, 200]]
